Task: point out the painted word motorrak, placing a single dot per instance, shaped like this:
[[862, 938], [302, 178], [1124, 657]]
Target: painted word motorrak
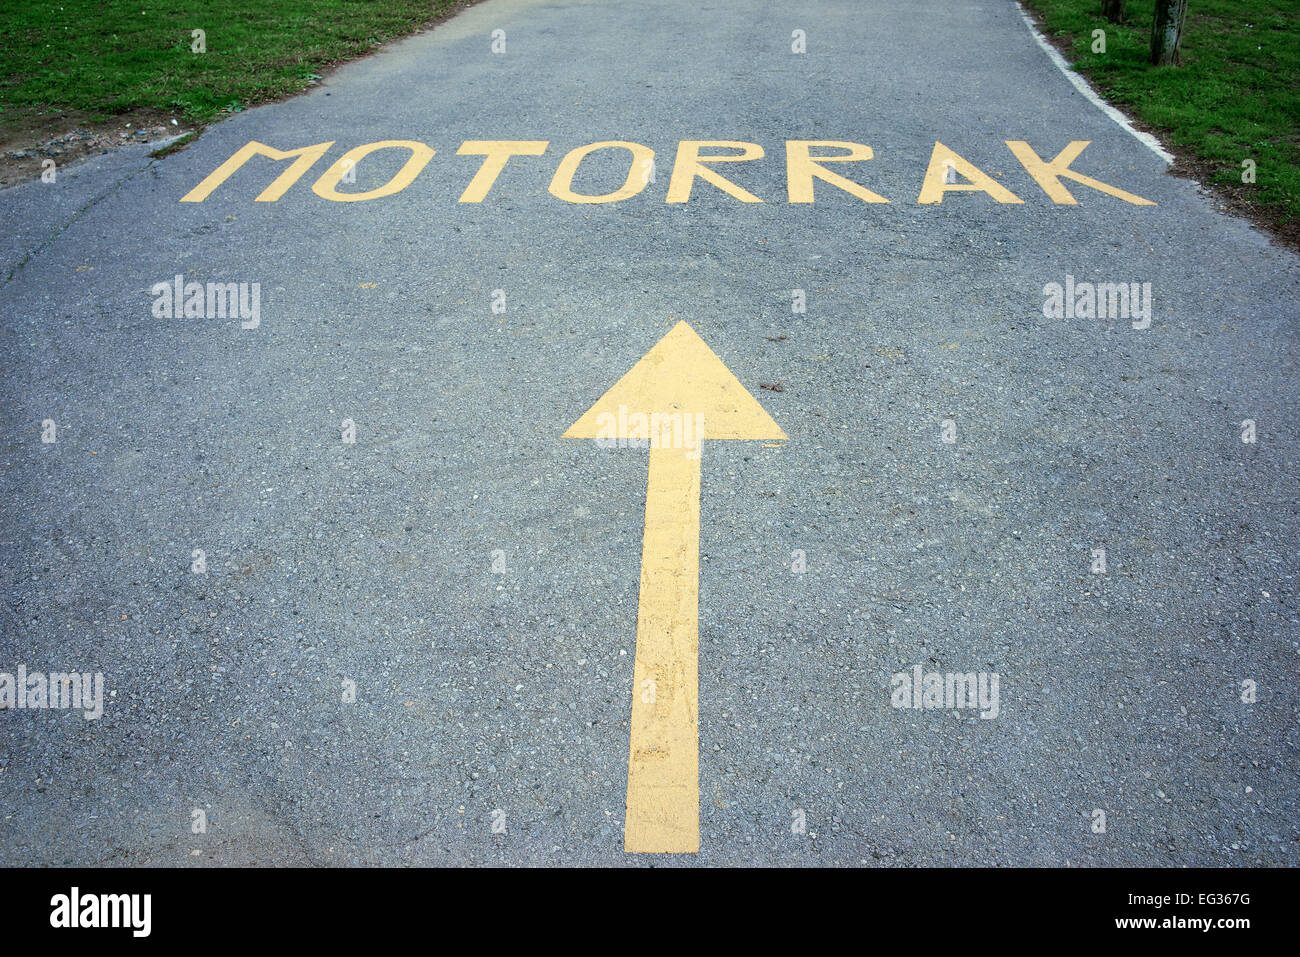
[[806, 161]]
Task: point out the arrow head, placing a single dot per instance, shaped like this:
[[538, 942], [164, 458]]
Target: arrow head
[[680, 376]]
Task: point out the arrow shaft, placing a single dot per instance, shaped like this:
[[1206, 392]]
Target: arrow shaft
[[663, 785]]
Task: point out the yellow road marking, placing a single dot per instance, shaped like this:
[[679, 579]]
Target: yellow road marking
[[1048, 175], [495, 153], [638, 174], [679, 380], [663, 790], [325, 187], [689, 166], [936, 185], [802, 168]]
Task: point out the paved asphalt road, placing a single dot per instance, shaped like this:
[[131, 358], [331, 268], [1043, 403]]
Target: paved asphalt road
[[504, 697]]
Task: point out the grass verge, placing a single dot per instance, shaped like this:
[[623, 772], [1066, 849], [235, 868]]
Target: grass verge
[[1234, 97], [97, 65]]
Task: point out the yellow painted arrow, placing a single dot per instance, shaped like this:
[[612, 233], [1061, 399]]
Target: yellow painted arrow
[[679, 394]]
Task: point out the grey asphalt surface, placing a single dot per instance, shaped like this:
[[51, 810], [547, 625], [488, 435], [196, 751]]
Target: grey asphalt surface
[[479, 691]]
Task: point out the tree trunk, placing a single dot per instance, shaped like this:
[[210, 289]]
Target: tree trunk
[[1167, 31], [1113, 10]]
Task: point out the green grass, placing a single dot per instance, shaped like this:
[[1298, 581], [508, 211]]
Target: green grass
[[1235, 96], [101, 58]]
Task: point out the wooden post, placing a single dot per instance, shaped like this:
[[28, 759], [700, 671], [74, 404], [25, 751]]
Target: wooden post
[[1167, 31]]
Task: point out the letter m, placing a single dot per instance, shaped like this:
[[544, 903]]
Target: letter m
[[962, 690], [219, 296], [306, 156], [118, 906], [65, 690], [1116, 299]]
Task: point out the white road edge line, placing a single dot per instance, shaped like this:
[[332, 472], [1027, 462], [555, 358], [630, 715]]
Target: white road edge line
[[1080, 84]]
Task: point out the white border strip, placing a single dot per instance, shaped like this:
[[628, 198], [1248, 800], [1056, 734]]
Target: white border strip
[[1080, 84]]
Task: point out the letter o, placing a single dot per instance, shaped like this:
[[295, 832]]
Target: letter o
[[325, 186], [562, 183]]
